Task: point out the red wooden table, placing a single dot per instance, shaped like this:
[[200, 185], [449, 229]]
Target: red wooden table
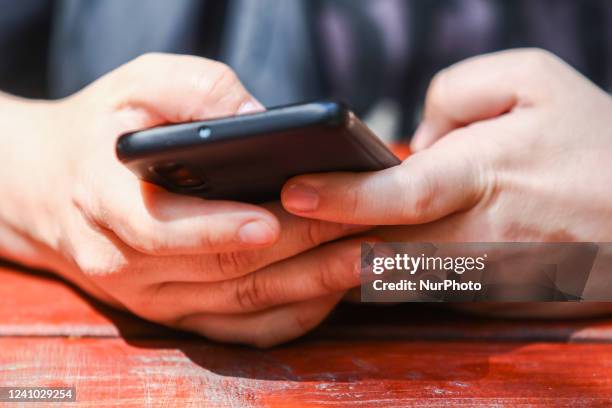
[[411, 354]]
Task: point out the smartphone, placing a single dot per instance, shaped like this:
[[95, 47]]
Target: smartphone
[[249, 157]]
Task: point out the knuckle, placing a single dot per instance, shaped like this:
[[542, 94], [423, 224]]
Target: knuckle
[[436, 92], [99, 263], [228, 263], [355, 201], [314, 233], [224, 78], [201, 324], [95, 258], [436, 83], [225, 89], [419, 198], [251, 294], [234, 263], [328, 278], [210, 241], [263, 339], [305, 321], [222, 70], [148, 57], [142, 238], [147, 304], [481, 179], [537, 62], [539, 56], [423, 198], [135, 66]]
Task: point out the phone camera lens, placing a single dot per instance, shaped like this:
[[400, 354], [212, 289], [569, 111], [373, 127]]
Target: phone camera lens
[[180, 176]]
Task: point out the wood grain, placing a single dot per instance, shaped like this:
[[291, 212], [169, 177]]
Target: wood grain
[[406, 355], [313, 373]]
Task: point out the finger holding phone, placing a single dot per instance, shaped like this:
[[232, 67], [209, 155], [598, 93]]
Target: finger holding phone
[[228, 270], [513, 146]]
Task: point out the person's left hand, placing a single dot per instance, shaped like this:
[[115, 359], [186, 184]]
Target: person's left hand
[[229, 271], [514, 146]]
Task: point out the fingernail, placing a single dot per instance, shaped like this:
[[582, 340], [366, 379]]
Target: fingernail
[[256, 233], [251, 106], [301, 198]]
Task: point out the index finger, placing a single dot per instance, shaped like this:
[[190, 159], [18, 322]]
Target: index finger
[[481, 88]]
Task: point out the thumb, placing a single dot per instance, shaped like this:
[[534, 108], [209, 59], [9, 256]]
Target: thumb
[[427, 186], [480, 88], [155, 89], [179, 88]]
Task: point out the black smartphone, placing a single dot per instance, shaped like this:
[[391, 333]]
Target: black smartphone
[[249, 157]]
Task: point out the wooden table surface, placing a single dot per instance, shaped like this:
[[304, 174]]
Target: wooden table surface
[[382, 356]]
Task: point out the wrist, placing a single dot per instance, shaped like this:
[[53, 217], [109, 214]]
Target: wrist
[[28, 184]]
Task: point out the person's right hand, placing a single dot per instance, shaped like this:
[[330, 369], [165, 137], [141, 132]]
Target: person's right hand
[[514, 146], [230, 271]]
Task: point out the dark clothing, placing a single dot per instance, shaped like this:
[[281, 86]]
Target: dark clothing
[[360, 51]]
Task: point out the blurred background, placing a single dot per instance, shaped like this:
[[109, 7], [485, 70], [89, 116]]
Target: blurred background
[[377, 55]]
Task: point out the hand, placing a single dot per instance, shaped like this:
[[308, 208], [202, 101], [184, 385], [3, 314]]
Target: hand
[[230, 271], [514, 146]]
